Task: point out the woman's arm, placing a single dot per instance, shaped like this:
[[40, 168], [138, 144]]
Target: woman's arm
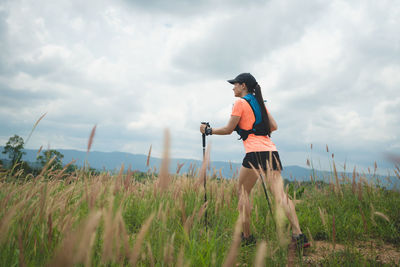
[[228, 129], [272, 123]]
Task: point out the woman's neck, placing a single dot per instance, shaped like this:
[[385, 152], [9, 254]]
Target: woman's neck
[[244, 93]]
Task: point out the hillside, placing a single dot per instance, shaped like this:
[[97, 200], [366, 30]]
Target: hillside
[[112, 161]]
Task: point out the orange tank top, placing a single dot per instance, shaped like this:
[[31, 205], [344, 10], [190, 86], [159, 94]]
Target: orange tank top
[[254, 143]]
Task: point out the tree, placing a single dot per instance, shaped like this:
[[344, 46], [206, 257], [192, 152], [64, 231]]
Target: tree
[[48, 155], [14, 148]]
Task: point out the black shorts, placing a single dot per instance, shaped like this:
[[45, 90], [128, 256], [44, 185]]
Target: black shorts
[[261, 158]]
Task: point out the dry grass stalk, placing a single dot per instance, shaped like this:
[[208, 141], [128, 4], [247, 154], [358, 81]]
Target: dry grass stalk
[[164, 178], [87, 238], [183, 211], [179, 167], [260, 254], [4, 201], [34, 126], [90, 142], [127, 181], [372, 214], [95, 192], [50, 230], [360, 191], [76, 245], [21, 250], [214, 175], [397, 167], [201, 211], [169, 251], [148, 156], [118, 181], [230, 259], [222, 195], [38, 152], [139, 240], [339, 191], [322, 216], [42, 204], [333, 232], [122, 234], [380, 214], [150, 255], [64, 169], [203, 170], [353, 184], [188, 224], [181, 254], [312, 243], [47, 165], [109, 232]]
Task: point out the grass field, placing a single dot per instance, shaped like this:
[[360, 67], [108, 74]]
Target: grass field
[[124, 219]]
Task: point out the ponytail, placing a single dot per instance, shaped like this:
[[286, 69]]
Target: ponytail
[[257, 93]]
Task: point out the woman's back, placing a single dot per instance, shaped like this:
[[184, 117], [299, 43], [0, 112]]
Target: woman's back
[[253, 143]]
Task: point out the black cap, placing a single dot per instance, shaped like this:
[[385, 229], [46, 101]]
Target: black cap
[[246, 78]]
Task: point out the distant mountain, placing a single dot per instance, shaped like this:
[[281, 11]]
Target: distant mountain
[[112, 161]]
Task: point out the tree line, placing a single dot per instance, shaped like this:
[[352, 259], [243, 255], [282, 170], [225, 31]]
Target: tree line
[[14, 149], [49, 159]]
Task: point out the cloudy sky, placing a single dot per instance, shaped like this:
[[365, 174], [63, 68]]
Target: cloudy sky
[[330, 71]]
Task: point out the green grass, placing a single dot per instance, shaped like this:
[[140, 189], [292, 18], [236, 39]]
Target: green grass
[[95, 220]]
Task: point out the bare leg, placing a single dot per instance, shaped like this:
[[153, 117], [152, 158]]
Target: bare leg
[[275, 183], [247, 179]]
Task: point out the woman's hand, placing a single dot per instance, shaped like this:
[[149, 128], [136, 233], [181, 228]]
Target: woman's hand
[[203, 128]]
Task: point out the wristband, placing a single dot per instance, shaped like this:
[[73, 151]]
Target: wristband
[[208, 130]]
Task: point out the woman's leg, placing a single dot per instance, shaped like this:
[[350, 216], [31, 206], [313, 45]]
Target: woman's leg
[[275, 183], [247, 179]]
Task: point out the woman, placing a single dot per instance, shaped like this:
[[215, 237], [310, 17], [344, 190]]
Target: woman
[[254, 124]]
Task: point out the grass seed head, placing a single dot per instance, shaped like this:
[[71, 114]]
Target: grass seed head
[[260, 254], [380, 214], [230, 259], [148, 157], [322, 216], [164, 177], [91, 137]]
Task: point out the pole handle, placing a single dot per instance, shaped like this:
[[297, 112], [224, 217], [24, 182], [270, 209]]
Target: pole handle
[[204, 135]]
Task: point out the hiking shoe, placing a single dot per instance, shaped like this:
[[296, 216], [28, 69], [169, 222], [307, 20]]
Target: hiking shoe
[[248, 241], [301, 241]]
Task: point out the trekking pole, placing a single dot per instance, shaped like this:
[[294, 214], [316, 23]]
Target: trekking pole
[[205, 173], [266, 196]]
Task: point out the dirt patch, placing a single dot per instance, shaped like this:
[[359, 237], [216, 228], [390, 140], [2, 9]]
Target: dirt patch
[[377, 251]]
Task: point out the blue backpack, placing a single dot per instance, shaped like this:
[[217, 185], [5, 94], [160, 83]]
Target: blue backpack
[[259, 128]]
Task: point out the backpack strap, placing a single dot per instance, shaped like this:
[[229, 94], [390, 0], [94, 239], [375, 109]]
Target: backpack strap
[[258, 127]]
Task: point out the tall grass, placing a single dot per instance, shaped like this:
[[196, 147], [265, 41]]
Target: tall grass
[[105, 219]]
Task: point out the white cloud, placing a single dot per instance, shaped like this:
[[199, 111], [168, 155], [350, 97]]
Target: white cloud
[[328, 70]]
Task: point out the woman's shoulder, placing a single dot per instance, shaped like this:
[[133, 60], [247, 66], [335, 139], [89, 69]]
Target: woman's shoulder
[[240, 101]]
